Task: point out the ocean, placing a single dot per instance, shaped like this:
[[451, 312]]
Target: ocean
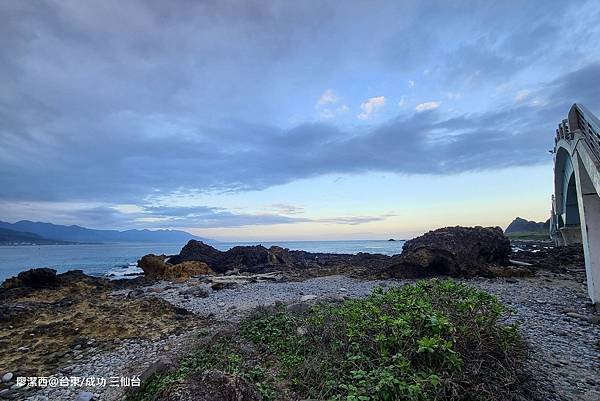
[[119, 260]]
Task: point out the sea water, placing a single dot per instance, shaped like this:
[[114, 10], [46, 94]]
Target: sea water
[[120, 260]]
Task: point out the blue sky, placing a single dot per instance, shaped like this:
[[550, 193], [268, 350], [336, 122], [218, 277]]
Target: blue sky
[[288, 120]]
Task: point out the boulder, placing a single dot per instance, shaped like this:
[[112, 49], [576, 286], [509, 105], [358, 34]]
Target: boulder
[[254, 258], [211, 385], [454, 251], [197, 251], [156, 267], [34, 278], [237, 259]]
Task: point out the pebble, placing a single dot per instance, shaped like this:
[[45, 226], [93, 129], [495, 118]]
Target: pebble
[[565, 357], [7, 377], [85, 396], [17, 386]]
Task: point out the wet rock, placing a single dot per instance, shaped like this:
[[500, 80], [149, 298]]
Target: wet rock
[[211, 385], [7, 377]]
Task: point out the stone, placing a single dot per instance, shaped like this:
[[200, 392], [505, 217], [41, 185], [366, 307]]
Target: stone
[[163, 365], [453, 251], [84, 396], [5, 393], [7, 377], [35, 278], [135, 293], [306, 298], [196, 291], [155, 267], [17, 386], [237, 259], [298, 307], [301, 331]]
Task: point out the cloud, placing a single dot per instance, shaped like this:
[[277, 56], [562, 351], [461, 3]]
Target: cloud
[[106, 163], [328, 97], [149, 216], [411, 83], [371, 106], [114, 107], [522, 95], [427, 106]]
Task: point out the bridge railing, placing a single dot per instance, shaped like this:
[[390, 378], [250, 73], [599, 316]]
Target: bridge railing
[[583, 122]]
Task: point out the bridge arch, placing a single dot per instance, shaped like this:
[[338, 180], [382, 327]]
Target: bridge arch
[[576, 202]]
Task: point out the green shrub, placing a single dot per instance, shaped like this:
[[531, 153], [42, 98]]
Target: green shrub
[[432, 340]]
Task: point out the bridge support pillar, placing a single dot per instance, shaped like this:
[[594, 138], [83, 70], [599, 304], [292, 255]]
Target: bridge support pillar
[[589, 212], [571, 235]]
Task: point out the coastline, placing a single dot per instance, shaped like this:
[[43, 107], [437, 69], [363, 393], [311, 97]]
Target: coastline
[[160, 319]]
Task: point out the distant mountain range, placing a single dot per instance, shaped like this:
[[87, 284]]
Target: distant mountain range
[[44, 233], [12, 237]]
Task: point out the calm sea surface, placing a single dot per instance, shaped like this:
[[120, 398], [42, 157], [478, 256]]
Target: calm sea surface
[[120, 259]]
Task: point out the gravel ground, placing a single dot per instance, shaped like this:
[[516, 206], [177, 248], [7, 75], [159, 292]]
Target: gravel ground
[[557, 320], [552, 310]]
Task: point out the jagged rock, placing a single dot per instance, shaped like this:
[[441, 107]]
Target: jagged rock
[[34, 278], [156, 267], [197, 250], [240, 258], [454, 251], [254, 258], [211, 385]]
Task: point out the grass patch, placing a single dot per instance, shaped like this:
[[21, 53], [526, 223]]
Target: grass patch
[[432, 340], [529, 236]]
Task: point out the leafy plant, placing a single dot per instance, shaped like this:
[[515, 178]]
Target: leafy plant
[[431, 340]]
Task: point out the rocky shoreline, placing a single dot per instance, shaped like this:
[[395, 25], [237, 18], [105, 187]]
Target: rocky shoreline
[[75, 325]]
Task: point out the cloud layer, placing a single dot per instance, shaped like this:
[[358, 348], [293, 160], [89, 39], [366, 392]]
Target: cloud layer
[[115, 102]]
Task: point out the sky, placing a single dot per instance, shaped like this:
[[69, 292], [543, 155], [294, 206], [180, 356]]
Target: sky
[[280, 120]]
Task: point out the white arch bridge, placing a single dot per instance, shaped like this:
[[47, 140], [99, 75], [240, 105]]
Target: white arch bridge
[[576, 202]]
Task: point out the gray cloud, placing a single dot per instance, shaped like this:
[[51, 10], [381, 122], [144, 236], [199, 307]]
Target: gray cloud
[[108, 164], [155, 98]]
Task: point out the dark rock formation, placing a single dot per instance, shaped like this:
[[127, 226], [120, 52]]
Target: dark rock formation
[[454, 251], [211, 385], [520, 225], [34, 278], [243, 258], [156, 267]]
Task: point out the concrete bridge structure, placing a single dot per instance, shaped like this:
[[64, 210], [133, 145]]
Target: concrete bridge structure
[[575, 215]]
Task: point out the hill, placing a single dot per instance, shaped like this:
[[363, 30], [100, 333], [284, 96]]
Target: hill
[[521, 228], [81, 234], [12, 237]]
